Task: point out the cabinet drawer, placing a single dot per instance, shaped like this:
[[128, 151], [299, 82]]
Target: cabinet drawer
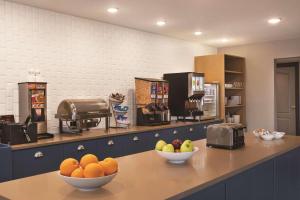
[[194, 132], [140, 142], [36, 161], [78, 149], [112, 147], [173, 133]]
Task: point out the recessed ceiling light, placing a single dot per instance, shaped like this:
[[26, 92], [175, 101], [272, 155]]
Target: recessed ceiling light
[[112, 10], [274, 20], [197, 33], [224, 40], [160, 23]]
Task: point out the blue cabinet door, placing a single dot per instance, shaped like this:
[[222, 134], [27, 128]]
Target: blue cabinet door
[[214, 192], [34, 161], [256, 183], [140, 142], [115, 146], [6, 163], [78, 149], [171, 134], [195, 132], [238, 187], [262, 181], [287, 176]]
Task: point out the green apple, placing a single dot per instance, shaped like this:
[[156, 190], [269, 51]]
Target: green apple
[[168, 148], [187, 146], [159, 145]]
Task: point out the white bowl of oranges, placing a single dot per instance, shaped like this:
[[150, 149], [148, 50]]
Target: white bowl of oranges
[[89, 174]]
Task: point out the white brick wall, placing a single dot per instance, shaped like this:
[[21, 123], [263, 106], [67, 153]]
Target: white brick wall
[[81, 58]]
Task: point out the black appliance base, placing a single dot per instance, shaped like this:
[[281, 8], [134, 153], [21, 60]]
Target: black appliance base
[[225, 146]]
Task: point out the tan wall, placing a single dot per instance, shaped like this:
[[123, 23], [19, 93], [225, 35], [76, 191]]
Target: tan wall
[[260, 77]]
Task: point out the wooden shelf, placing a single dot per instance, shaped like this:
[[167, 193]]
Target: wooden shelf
[[225, 69], [233, 72], [236, 106]]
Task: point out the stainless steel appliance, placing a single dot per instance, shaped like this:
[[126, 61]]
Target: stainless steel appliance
[[226, 136], [81, 114], [152, 97], [210, 101], [186, 91], [33, 102]]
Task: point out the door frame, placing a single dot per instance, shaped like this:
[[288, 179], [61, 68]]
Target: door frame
[[289, 62]]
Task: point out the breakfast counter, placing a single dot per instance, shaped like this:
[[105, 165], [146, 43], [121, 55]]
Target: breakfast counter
[[102, 133], [148, 176]]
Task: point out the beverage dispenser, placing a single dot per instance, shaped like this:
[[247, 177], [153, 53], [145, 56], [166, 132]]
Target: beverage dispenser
[[152, 101], [186, 91], [33, 103]]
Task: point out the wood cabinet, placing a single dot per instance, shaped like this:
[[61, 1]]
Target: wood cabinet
[[226, 69]]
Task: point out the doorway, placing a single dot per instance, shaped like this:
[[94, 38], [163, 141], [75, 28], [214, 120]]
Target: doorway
[[287, 96]]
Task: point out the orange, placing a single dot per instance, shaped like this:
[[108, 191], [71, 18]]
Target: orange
[[78, 173], [93, 170], [110, 166], [87, 159], [68, 166]]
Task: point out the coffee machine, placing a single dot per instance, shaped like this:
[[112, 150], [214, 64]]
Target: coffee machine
[[33, 104], [186, 91], [152, 101]]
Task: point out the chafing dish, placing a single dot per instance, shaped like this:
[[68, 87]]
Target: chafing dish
[[82, 114]]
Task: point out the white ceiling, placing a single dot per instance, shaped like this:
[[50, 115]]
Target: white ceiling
[[241, 21]]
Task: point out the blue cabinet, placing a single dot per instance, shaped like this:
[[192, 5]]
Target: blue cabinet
[[34, 161], [112, 147], [239, 187], [6, 163], [28, 162], [287, 170], [78, 149], [256, 183], [215, 192]]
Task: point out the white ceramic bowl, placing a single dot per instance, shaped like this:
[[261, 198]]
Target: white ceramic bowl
[[88, 184], [278, 135], [258, 132], [177, 158], [267, 136]]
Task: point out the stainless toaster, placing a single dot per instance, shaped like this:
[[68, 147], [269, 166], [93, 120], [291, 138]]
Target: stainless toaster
[[225, 135]]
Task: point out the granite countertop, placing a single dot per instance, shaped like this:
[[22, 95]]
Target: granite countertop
[[148, 176], [100, 133]]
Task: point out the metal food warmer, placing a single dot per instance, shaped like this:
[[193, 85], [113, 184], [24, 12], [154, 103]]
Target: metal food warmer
[[76, 115]]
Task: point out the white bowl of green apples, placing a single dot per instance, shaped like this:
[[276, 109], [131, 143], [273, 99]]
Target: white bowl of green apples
[[177, 152]]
